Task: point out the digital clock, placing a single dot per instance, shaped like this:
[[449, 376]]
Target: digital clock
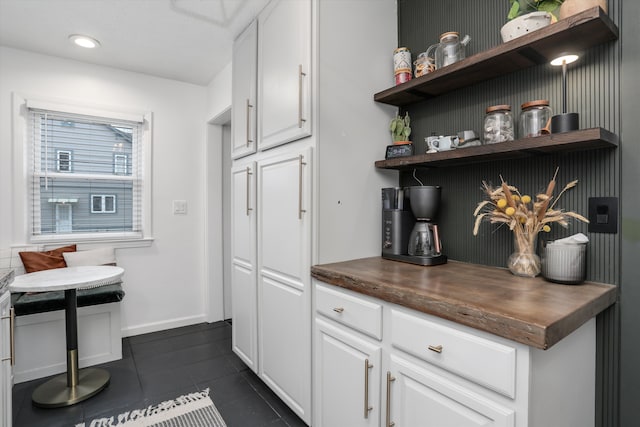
[[398, 150]]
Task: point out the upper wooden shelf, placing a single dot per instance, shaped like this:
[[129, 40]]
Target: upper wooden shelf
[[580, 140], [575, 34]]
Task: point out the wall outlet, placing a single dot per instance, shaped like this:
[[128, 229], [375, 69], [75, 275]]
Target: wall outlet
[[603, 215], [179, 207]]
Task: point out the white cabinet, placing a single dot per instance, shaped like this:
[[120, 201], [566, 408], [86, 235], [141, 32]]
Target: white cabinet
[[418, 396], [284, 260], [439, 373], [284, 72], [347, 371], [296, 40], [244, 92], [6, 358], [347, 365], [244, 294]]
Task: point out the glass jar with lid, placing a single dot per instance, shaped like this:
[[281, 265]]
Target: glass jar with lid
[[535, 118], [498, 124]]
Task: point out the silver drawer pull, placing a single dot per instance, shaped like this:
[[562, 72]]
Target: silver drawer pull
[[338, 309], [436, 348]]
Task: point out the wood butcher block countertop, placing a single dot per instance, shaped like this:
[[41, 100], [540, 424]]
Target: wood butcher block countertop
[[530, 311]]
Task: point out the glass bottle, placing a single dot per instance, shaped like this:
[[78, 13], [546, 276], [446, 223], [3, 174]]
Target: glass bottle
[[535, 119], [498, 124]]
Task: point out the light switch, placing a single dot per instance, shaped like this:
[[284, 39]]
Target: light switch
[[179, 207]]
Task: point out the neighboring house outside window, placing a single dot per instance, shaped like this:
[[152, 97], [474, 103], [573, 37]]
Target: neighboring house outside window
[[64, 161], [96, 194], [103, 203]]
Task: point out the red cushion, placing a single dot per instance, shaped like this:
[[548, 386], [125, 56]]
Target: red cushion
[[38, 261]]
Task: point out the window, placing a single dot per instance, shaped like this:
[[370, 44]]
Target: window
[[92, 164], [64, 161], [120, 164], [103, 203]]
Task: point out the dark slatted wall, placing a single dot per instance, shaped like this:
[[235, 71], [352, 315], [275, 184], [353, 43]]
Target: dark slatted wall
[[594, 92]]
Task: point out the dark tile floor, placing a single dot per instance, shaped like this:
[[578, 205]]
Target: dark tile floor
[[162, 366]]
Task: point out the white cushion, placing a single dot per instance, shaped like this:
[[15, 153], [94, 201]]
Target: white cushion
[[100, 256]]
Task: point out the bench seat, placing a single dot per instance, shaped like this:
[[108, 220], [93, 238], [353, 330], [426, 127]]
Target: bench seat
[[42, 302], [40, 330]]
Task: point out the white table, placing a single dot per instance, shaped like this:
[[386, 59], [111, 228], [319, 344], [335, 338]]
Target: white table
[[77, 384]]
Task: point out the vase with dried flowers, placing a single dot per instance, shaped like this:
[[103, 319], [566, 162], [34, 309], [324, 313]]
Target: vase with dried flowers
[[526, 218]]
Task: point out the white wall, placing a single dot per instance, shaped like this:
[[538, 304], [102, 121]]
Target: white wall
[[219, 93], [164, 283], [353, 130]]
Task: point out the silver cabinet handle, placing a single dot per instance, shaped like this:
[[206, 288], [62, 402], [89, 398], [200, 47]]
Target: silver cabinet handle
[[367, 408], [249, 107], [390, 379], [338, 309], [12, 336], [436, 348], [249, 173], [301, 165], [301, 76]]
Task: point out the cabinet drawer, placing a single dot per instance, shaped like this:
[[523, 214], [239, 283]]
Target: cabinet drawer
[[483, 361], [357, 313]]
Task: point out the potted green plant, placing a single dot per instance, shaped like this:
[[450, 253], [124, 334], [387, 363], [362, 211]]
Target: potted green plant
[[526, 16], [400, 129], [522, 7]]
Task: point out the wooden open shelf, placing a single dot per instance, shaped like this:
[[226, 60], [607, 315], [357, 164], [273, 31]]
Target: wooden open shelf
[[575, 34], [580, 140]]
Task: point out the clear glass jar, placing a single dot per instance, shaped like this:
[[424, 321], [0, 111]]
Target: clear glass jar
[[498, 124], [535, 119]]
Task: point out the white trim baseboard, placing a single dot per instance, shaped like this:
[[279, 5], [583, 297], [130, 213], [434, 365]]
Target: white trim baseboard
[[163, 325]]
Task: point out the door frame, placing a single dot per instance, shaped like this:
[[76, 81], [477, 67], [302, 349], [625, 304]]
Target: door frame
[[215, 256]]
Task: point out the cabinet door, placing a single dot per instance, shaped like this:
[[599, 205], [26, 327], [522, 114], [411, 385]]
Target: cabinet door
[[243, 264], [244, 92], [347, 378], [284, 300], [284, 82], [417, 396], [5, 360]]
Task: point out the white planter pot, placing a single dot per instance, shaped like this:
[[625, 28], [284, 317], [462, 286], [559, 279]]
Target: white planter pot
[[524, 25]]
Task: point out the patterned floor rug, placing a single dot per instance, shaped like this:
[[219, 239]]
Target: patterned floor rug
[[190, 410]]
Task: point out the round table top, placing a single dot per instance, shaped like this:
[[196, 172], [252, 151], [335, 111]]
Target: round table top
[[60, 279]]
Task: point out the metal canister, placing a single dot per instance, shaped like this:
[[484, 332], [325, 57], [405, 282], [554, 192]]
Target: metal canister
[[402, 65]]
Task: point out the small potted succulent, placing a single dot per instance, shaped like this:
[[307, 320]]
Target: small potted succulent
[[400, 129], [526, 16]]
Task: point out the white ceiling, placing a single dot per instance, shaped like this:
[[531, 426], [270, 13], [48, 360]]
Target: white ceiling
[[186, 40]]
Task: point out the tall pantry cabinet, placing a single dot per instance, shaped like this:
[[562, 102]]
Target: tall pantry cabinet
[[271, 200], [308, 194]]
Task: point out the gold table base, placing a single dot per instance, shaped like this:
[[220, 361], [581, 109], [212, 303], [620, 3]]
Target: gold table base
[[55, 393]]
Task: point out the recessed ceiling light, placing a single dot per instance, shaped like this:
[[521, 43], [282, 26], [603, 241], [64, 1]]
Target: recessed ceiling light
[[84, 41]]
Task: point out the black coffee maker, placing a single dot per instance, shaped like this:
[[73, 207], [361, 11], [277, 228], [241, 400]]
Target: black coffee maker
[[409, 233]]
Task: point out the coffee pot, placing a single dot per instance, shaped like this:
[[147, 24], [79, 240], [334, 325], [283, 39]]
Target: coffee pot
[[450, 49]]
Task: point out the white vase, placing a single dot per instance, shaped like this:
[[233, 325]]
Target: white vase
[[524, 24], [572, 7]]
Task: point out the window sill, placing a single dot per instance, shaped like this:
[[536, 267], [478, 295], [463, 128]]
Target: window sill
[[93, 242]]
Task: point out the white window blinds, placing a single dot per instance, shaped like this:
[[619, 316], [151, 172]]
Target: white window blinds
[[81, 161]]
